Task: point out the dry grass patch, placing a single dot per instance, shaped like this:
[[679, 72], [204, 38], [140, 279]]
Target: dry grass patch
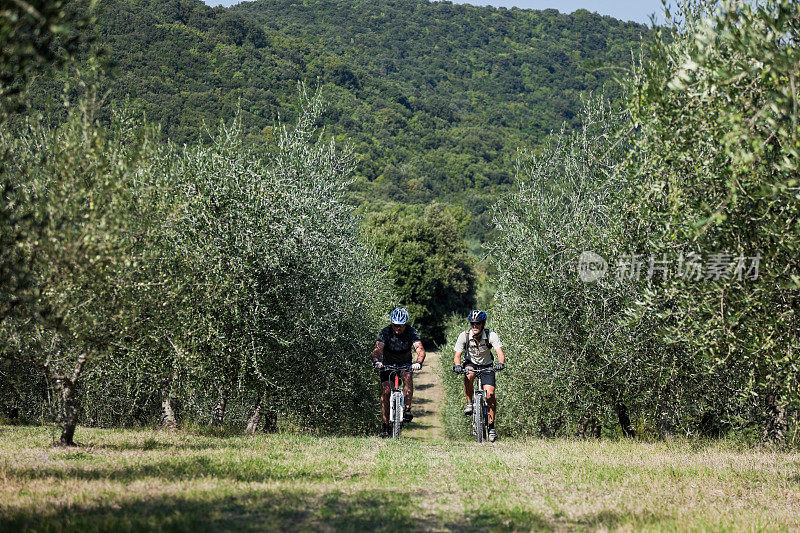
[[129, 480]]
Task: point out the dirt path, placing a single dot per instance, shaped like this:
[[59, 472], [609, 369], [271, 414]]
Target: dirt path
[[428, 396]]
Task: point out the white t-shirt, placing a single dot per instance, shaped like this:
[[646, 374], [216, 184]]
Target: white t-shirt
[[478, 351]]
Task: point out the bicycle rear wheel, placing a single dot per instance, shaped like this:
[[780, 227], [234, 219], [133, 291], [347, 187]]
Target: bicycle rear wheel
[[397, 405], [477, 417]]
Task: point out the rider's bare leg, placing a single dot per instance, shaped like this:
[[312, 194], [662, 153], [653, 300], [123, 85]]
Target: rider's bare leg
[[491, 401], [386, 391], [469, 385], [408, 389]]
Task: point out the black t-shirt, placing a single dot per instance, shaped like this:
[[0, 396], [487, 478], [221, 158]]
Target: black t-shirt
[[397, 348]]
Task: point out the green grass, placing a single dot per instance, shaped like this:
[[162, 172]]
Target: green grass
[[129, 480]]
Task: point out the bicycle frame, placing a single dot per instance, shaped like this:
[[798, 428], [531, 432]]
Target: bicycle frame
[[480, 407], [396, 399]]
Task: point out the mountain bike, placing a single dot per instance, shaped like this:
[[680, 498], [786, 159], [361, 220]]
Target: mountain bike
[[396, 400], [480, 409]]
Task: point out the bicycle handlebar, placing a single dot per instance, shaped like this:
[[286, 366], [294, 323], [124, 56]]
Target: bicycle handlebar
[[396, 368], [479, 370]]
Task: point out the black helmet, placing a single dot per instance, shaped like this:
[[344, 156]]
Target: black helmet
[[477, 316]]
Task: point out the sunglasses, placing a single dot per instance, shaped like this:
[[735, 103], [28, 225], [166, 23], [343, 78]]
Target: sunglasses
[[473, 324]]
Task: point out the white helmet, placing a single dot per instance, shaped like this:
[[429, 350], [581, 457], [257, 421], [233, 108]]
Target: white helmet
[[399, 316]]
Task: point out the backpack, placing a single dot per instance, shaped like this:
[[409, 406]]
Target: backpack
[[488, 342]]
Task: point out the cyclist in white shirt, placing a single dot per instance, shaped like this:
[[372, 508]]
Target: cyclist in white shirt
[[477, 343]]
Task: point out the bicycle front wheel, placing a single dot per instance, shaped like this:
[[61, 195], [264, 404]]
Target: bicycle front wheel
[[478, 418], [397, 405]]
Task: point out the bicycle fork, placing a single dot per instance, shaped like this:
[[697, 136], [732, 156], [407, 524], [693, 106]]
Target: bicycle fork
[[392, 403]]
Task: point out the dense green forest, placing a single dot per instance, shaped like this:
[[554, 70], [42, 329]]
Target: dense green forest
[[435, 98]]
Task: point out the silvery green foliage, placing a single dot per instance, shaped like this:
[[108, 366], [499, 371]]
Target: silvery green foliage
[[215, 271], [271, 291], [75, 185], [710, 166], [717, 158], [560, 334]]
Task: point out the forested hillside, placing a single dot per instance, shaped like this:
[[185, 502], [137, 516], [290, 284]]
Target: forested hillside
[[436, 98]]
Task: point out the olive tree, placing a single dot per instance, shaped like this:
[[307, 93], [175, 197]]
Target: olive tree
[[36, 37], [560, 329], [696, 182], [263, 281], [716, 158], [75, 181]]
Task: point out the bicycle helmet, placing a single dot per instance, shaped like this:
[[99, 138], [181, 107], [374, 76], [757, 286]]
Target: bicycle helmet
[[399, 316], [477, 316]]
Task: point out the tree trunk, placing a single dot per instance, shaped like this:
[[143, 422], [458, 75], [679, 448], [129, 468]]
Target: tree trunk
[[68, 419], [775, 430], [597, 427], [255, 417], [589, 423], [168, 419], [218, 416], [624, 420], [580, 432]]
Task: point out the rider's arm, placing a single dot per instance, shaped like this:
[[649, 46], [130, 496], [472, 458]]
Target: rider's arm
[[494, 340], [420, 352], [377, 353], [457, 359]]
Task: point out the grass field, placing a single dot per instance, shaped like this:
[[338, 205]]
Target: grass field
[[124, 480]]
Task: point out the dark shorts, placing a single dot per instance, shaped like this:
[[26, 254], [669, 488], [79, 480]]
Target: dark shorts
[[488, 378]]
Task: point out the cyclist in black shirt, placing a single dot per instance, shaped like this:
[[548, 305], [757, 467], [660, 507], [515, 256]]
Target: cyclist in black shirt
[[393, 347]]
